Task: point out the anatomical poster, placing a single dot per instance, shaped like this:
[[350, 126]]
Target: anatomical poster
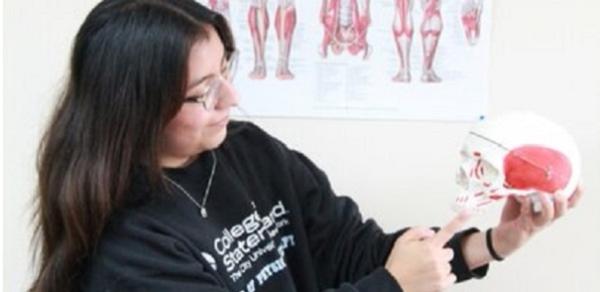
[[361, 59]]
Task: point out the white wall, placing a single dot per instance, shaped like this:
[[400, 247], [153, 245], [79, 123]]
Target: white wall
[[545, 58]]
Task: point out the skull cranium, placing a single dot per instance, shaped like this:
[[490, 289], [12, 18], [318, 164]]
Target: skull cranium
[[519, 153]]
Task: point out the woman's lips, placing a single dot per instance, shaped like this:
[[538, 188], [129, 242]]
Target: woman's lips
[[223, 122]]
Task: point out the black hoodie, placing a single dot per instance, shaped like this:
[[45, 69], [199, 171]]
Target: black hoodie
[[274, 224]]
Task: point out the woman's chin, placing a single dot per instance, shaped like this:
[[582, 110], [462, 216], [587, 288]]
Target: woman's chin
[[218, 138]]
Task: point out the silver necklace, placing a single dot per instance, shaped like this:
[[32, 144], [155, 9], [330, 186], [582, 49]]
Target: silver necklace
[[202, 206]]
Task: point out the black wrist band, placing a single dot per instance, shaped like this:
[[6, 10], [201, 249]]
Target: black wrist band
[[488, 242]]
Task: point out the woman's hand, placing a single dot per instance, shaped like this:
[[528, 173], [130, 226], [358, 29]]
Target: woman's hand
[[519, 221], [419, 262]]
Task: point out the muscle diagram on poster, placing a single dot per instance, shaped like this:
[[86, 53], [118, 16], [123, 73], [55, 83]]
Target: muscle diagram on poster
[[386, 59]]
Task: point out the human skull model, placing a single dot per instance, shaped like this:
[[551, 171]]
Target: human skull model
[[518, 153]]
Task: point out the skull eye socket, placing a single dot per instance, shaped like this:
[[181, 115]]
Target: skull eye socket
[[461, 178], [475, 170], [485, 172]]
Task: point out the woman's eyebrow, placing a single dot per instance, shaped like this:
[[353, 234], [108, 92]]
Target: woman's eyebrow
[[199, 81], [209, 76]]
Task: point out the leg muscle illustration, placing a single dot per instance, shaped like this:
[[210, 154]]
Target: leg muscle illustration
[[470, 18], [403, 33], [258, 20], [431, 29], [285, 22], [345, 25], [221, 6]]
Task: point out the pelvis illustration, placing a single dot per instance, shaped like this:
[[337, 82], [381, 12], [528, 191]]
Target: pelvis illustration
[[346, 23]]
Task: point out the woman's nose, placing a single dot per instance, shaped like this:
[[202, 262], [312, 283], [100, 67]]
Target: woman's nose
[[229, 96]]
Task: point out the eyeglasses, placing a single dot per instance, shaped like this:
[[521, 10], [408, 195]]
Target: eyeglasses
[[210, 96]]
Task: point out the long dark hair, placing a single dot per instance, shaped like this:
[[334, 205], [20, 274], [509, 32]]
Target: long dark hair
[[127, 79]]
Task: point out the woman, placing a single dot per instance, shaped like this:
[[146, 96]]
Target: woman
[[145, 185]]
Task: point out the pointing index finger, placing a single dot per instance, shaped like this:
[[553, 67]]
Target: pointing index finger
[[446, 233]]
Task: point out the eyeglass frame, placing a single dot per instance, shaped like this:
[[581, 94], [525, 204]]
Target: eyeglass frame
[[209, 97]]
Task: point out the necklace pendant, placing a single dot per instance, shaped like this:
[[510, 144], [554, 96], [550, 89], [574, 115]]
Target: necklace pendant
[[203, 212]]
